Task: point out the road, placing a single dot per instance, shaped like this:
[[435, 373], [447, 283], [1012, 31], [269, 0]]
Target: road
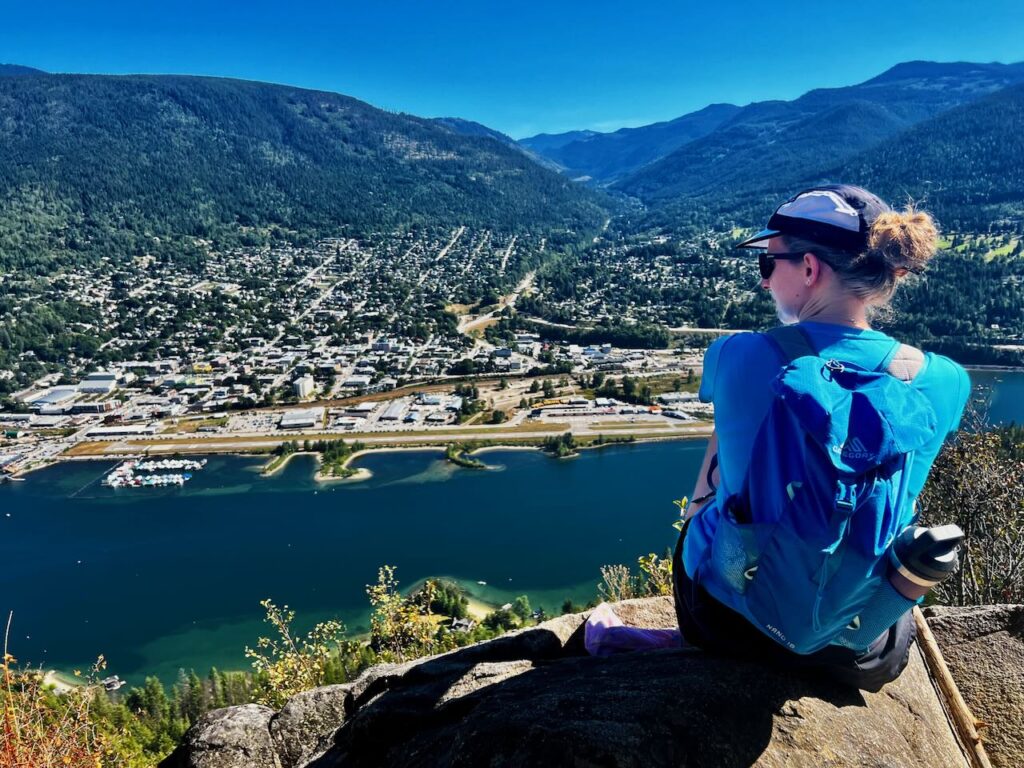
[[469, 323]]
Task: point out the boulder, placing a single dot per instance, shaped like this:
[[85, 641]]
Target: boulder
[[531, 698], [984, 650], [234, 737], [305, 725]]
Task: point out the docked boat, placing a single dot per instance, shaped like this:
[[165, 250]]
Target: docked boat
[[143, 474]]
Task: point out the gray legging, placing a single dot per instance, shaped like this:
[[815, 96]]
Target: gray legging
[[708, 624]]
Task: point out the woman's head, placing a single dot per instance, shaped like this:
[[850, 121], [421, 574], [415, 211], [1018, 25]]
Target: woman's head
[[840, 248]]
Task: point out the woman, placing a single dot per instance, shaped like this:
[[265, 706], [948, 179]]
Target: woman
[[834, 256]]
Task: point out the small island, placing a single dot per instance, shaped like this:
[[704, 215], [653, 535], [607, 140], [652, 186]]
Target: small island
[[333, 455], [458, 454]]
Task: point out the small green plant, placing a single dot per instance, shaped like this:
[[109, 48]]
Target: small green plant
[[657, 573], [401, 628], [618, 583], [287, 664]]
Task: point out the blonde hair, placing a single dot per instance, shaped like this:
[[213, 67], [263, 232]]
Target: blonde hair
[[899, 242]]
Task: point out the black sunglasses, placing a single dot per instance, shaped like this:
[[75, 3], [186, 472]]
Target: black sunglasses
[[766, 261]]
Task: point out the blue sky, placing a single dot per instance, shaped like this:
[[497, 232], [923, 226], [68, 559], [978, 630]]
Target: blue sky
[[522, 68]]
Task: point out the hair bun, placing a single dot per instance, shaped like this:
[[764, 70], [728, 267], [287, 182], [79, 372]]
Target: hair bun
[[906, 239]]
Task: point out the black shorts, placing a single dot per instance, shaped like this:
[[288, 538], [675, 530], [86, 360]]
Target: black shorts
[[712, 626]]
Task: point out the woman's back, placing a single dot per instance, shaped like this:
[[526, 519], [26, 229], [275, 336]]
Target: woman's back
[[798, 576], [738, 371]]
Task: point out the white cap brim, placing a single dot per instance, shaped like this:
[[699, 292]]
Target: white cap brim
[[760, 240]]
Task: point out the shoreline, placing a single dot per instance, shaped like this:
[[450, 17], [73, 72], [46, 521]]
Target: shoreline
[[517, 445], [279, 463], [1002, 368]]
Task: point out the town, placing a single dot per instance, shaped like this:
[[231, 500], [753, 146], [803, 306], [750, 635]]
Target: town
[[418, 337]]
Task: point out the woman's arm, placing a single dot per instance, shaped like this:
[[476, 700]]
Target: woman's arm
[[702, 488]]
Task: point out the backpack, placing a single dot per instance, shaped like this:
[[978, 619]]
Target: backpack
[[801, 550]]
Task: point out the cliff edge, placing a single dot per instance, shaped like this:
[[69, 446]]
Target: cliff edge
[[532, 698]]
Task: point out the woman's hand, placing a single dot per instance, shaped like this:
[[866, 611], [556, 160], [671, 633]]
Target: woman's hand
[[702, 492]]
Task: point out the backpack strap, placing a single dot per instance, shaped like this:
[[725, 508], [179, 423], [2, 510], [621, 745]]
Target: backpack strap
[[906, 363], [792, 342]]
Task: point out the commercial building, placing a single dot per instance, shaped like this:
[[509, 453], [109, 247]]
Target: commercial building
[[671, 398], [304, 386], [358, 382], [101, 382], [393, 412], [308, 418], [56, 396]]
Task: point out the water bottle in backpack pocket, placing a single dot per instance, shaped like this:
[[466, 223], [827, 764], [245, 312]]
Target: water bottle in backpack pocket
[[919, 559]]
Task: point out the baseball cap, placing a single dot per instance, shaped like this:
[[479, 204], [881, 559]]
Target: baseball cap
[[835, 215]]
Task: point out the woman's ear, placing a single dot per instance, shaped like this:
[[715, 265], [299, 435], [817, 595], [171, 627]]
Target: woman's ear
[[812, 269]]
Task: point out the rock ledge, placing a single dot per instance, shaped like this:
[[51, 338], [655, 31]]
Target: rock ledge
[[532, 698]]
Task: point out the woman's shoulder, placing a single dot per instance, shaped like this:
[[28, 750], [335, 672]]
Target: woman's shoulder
[[739, 357], [947, 372], [739, 343], [946, 384], [737, 348]]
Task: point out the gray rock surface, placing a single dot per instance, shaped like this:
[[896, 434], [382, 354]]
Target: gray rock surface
[[531, 699], [228, 738], [984, 650], [305, 725]]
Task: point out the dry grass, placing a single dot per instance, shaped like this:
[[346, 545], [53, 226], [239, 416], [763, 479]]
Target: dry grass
[[461, 309], [42, 729], [189, 427], [636, 427]]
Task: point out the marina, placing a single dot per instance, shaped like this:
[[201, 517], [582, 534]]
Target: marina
[[130, 474]]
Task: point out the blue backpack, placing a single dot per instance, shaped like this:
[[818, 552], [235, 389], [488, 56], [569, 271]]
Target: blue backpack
[[801, 550]]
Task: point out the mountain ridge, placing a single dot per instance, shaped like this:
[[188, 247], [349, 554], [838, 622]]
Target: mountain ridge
[[19, 70], [106, 161], [770, 143], [605, 156], [632, 161]]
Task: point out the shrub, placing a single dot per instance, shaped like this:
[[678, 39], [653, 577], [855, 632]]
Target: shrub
[[401, 628], [617, 583], [977, 482], [286, 664]]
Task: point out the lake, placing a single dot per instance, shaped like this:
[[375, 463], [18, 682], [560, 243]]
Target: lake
[[162, 579], [1006, 389]]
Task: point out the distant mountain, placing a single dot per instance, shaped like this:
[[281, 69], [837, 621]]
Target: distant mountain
[[16, 70], [965, 165], [104, 164], [546, 143], [606, 156], [770, 145]]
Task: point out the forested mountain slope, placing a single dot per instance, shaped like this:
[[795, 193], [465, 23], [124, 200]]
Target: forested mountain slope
[[101, 165], [966, 165], [771, 145]]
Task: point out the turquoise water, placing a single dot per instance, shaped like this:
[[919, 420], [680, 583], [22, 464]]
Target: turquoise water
[[1006, 389], [162, 579]]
